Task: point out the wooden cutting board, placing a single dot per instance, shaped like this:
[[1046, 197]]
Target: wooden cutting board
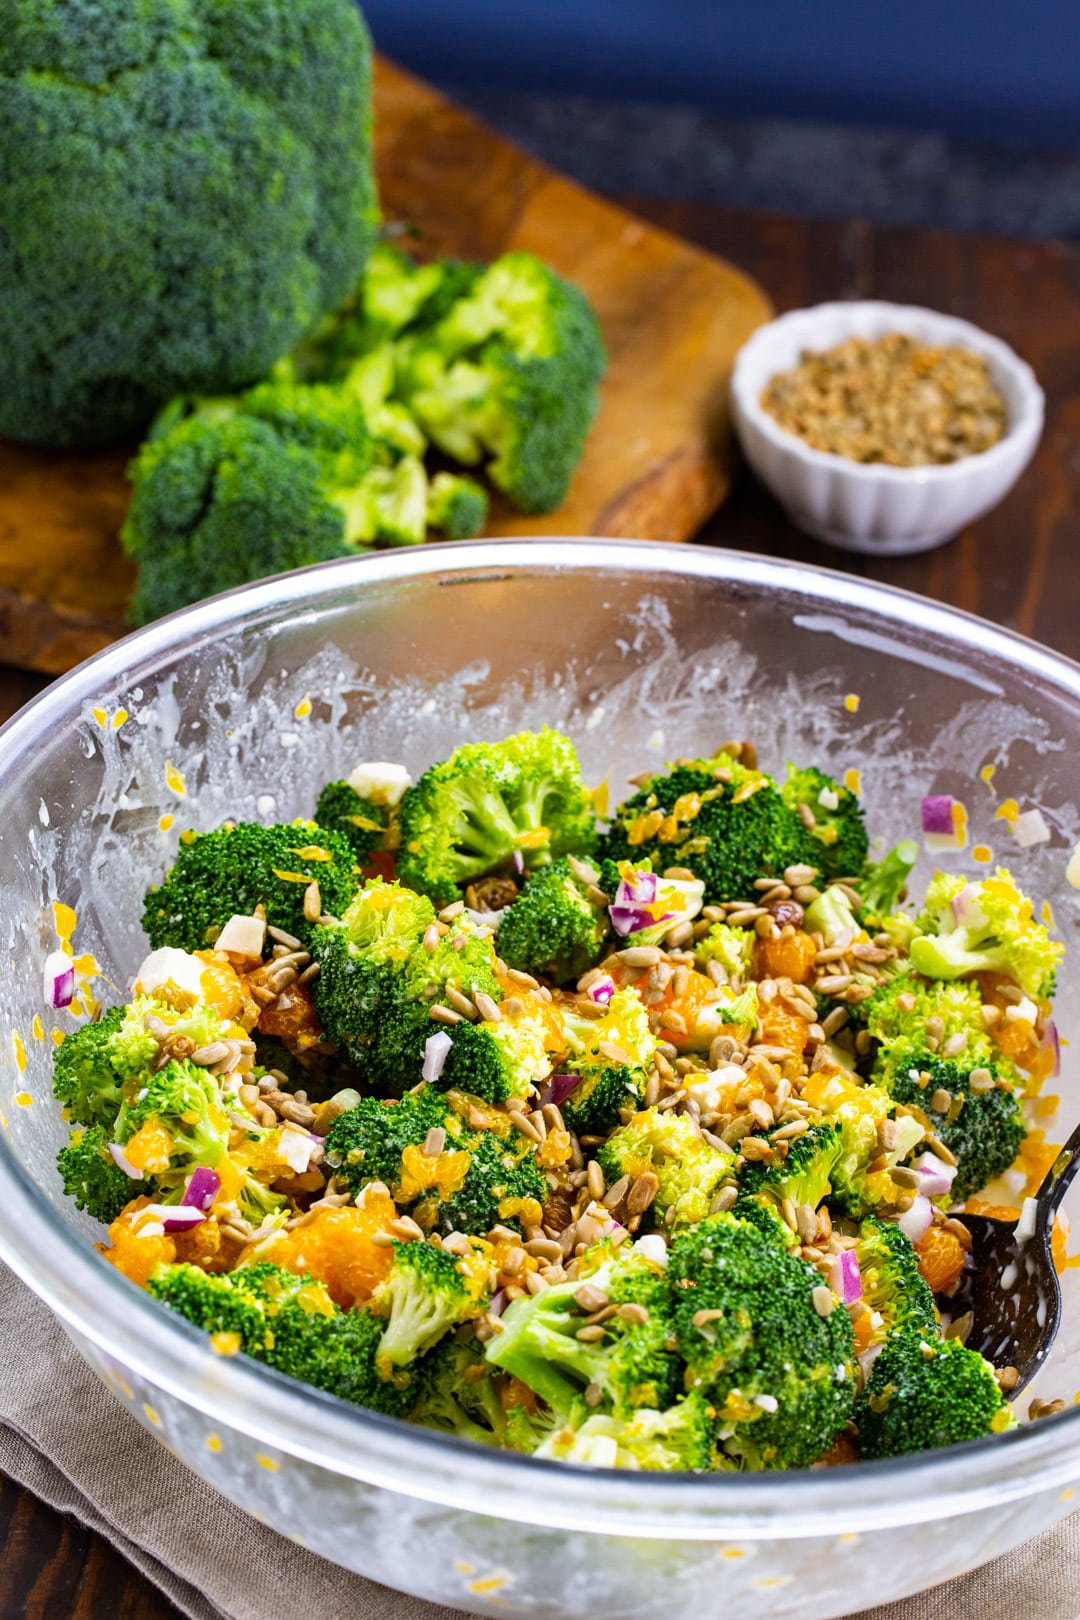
[[659, 459]]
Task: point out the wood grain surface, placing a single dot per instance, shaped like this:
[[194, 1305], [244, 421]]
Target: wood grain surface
[[1016, 566], [659, 460]]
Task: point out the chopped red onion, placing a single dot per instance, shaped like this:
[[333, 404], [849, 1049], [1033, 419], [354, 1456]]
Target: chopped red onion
[[562, 1086], [1052, 1039], [58, 980], [1030, 828], [202, 1188], [937, 814], [918, 1219], [966, 910], [519, 862], [436, 1049], [174, 1217], [937, 1176], [631, 908], [124, 1162], [602, 990], [498, 1302], [867, 1359], [844, 1278]]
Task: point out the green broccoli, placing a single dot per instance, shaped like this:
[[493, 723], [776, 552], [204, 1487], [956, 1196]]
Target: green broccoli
[[503, 1059], [892, 1284], [228, 872], [629, 1366], [833, 815], [690, 1171], [456, 1392], [988, 926], [682, 1438], [925, 1392], [873, 1139], [613, 1056], [471, 814], [803, 1173], [907, 1010], [780, 1376], [187, 189], [511, 372], [184, 1100], [983, 1129], [457, 506], [760, 1209], [726, 824], [85, 1076], [290, 1323], [732, 948], [426, 1292], [361, 822], [93, 1178], [552, 927], [883, 884]]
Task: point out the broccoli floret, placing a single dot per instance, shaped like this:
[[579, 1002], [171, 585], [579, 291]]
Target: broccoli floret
[[883, 883], [288, 1322], [458, 506], [726, 824], [469, 815], [361, 822], [185, 1102], [925, 1392], [898, 1012], [892, 1284], [682, 1438], [85, 1076], [426, 1292], [631, 1365], [92, 1177], [780, 1376], [689, 1170], [982, 927], [833, 815], [476, 1178], [497, 1061], [511, 372], [457, 1393], [733, 948], [187, 190], [552, 927], [613, 1055], [761, 1210], [803, 1173], [983, 1129], [869, 1149], [221, 874]]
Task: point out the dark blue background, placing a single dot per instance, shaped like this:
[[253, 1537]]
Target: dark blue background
[[991, 70]]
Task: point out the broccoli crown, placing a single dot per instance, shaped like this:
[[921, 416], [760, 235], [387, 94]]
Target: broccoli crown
[[860, 1174], [469, 815], [455, 1391], [833, 815], [552, 927], [689, 1170], [511, 372], [898, 1012], [497, 1061], [92, 1177], [458, 506], [681, 1438], [221, 874], [187, 189], [613, 1055], [761, 1210], [288, 1322], [780, 1376], [983, 1130], [473, 1179], [732, 948], [630, 1365], [85, 1076], [925, 1392], [426, 1292], [183, 1101], [726, 824], [988, 926], [883, 883], [803, 1173], [891, 1281], [361, 822]]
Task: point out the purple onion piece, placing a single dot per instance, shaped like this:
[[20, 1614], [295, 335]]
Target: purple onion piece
[[563, 1086], [58, 980], [498, 1302], [202, 1188], [844, 1278], [937, 814], [602, 990], [914, 1222], [519, 862], [1051, 1038]]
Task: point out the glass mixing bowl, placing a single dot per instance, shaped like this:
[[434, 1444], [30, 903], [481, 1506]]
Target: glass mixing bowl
[[239, 707]]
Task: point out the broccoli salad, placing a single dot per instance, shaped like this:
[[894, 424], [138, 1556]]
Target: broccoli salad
[[639, 1139]]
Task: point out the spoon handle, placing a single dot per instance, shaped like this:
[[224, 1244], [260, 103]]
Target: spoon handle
[[1059, 1178]]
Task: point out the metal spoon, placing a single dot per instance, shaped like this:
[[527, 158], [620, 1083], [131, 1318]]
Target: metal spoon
[[1011, 1287]]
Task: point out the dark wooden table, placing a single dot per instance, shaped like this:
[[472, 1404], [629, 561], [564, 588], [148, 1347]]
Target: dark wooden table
[[1017, 566]]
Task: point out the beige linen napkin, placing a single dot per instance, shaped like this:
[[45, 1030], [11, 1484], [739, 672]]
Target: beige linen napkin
[[64, 1437]]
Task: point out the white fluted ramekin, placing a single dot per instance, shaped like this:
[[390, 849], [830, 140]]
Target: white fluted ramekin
[[872, 507]]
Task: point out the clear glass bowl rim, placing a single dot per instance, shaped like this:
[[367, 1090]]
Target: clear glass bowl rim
[[97, 1303]]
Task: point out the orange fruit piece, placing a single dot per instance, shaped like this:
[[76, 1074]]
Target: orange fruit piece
[[336, 1248], [780, 1028], [791, 956], [941, 1258]]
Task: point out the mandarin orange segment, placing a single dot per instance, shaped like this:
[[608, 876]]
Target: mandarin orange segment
[[941, 1258], [337, 1249], [780, 1028], [134, 1255], [791, 956], [292, 1018], [149, 1148]]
